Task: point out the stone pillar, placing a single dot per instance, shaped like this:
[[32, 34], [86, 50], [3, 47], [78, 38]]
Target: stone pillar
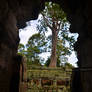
[[12, 13], [81, 22], [9, 40], [23, 75], [84, 52]]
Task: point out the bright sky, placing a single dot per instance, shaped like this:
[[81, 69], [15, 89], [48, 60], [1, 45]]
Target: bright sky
[[27, 32]]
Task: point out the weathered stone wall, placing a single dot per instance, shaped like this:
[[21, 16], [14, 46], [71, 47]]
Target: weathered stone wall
[[48, 79], [8, 47], [13, 15]]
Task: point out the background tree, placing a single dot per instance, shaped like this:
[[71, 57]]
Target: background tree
[[35, 46], [54, 19], [21, 49]]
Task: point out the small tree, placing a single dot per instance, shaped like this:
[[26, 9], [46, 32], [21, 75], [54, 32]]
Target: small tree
[[35, 46]]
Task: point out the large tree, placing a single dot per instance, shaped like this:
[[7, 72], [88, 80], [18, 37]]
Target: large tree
[[54, 19]]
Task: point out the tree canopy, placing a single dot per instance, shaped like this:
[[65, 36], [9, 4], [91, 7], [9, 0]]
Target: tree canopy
[[35, 46], [59, 43], [54, 19]]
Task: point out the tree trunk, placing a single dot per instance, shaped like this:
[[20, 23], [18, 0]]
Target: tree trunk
[[53, 61]]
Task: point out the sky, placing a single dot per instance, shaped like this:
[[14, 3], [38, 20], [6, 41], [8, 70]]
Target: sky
[[30, 29]]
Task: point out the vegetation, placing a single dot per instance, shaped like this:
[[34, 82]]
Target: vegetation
[[59, 44], [21, 49], [35, 46], [54, 19]]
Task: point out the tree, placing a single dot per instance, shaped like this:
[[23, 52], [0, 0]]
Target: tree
[[62, 51], [68, 65], [54, 19], [21, 49], [35, 46]]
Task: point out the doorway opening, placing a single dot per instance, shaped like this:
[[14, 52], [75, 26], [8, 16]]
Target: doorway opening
[[47, 45]]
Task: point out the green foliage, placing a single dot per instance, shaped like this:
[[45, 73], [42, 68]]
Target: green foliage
[[35, 46], [53, 10], [21, 49], [47, 62], [68, 65], [54, 18]]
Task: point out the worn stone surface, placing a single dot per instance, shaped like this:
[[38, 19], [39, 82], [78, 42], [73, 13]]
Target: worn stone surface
[[81, 23], [8, 47], [44, 79], [13, 15]]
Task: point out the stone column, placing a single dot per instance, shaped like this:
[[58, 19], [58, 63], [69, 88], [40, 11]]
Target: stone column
[[9, 40], [82, 24], [12, 13]]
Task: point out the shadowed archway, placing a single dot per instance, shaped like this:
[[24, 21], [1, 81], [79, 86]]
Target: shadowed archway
[[18, 12]]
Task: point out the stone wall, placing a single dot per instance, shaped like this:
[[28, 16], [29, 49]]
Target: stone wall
[[13, 15], [46, 79]]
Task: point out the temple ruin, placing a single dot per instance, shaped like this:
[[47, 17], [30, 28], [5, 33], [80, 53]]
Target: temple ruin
[[14, 15]]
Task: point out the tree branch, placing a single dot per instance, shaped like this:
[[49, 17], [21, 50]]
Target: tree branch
[[46, 21]]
